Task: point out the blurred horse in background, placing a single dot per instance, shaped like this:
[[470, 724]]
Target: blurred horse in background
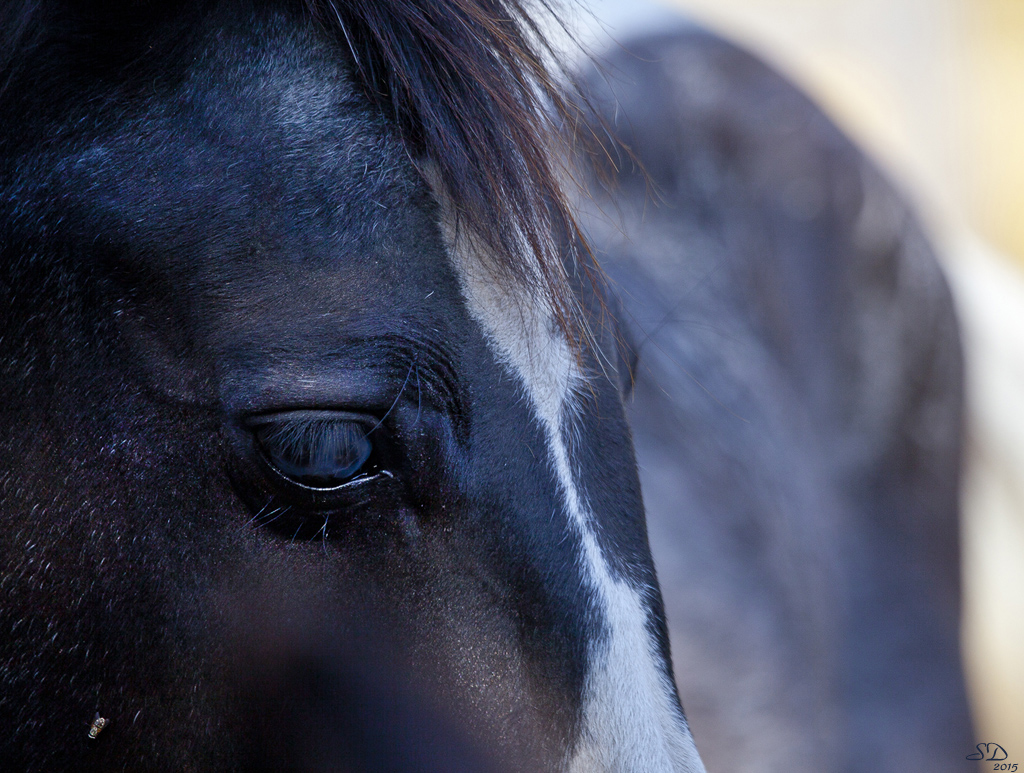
[[796, 408]]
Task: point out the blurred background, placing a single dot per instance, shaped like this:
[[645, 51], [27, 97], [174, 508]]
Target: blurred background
[[934, 91]]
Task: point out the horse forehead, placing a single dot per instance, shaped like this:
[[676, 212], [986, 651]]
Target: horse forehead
[[284, 77], [237, 142]]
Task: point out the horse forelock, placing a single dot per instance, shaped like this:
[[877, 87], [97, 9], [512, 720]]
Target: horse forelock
[[468, 83]]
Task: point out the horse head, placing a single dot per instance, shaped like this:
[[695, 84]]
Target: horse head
[[296, 369]]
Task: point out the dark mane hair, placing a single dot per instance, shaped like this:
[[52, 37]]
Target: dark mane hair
[[468, 84]]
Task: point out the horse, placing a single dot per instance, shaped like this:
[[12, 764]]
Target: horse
[[796, 408], [315, 450]]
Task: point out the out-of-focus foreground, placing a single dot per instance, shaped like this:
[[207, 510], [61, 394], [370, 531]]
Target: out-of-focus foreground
[[934, 89]]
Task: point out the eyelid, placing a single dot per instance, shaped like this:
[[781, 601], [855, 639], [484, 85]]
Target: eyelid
[[303, 414], [357, 380]]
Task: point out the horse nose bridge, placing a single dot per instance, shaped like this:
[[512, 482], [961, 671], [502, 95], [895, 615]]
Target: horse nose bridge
[[632, 719], [630, 716]]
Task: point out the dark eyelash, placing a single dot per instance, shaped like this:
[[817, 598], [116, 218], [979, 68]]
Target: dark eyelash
[[315, 450]]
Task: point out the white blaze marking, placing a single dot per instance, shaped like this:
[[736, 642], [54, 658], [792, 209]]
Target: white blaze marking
[[631, 722]]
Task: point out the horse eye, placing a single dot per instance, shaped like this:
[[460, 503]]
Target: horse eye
[[315, 449]]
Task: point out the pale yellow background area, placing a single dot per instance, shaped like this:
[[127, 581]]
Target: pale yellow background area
[[934, 89]]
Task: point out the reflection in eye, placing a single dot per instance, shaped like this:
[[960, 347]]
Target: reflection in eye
[[317, 450]]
